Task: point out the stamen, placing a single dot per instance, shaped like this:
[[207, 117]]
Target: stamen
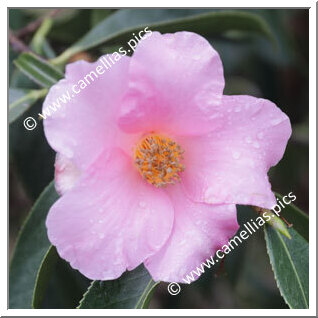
[[157, 158]]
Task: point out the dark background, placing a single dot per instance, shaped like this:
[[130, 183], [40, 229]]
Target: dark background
[[252, 66]]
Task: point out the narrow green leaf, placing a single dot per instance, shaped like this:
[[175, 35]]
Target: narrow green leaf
[[20, 100], [43, 276], [38, 69], [121, 24], [295, 216], [289, 260], [132, 290], [48, 51], [98, 15], [39, 37], [31, 247]]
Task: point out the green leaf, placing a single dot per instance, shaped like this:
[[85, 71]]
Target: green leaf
[[20, 100], [289, 260], [98, 15], [34, 172], [48, 51], [65, 288], [132, 290], [39, 38], [31, 247], [295, 216], [120, 26], [38, 69], [43, 276]]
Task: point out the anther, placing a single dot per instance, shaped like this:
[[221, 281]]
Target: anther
[[157, 158]]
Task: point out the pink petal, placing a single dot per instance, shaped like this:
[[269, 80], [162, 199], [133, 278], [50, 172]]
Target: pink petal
[[199, 230], [230, 164], [66, 174], [111, 220], [175, 80], [85, 125]]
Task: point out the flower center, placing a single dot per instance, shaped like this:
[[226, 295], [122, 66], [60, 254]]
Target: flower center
[[157, 158]]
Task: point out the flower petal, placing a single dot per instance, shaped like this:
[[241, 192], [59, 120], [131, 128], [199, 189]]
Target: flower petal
[[199, 230], [111, 220], [84, 125], [175, 80], [230, 164]]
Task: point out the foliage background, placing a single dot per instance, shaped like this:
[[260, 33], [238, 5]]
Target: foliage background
[[253, 66]]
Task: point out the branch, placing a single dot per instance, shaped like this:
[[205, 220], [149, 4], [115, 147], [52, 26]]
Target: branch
[[17, 45]]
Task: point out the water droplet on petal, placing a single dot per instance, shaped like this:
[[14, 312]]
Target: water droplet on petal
[[142, 204], [182, 242], [260, 135], [236, 155], [248, 139], [276, 121], [256, 144]]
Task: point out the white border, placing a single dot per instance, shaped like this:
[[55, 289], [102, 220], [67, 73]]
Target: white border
[[312, 164]]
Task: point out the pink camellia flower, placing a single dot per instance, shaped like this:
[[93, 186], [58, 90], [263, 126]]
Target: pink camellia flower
[[152, 158]]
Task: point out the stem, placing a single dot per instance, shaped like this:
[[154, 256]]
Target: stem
[[63, 58], [39, 36]]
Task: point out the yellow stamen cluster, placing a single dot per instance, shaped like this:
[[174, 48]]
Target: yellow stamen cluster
[[157, 158]]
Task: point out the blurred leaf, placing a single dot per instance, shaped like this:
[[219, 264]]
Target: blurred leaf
[[63, 14], [238, 85], [31, 154], [120, 26], [301, 133], [132, 290], [76, 22], [295, 216], [98, 15], [21, 100], [38, 69], [20, 80], [17, 19], [48, 52], [43, 276], [236, 257], [39, 37], [31, 247], [66, 287], [289, 260]]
